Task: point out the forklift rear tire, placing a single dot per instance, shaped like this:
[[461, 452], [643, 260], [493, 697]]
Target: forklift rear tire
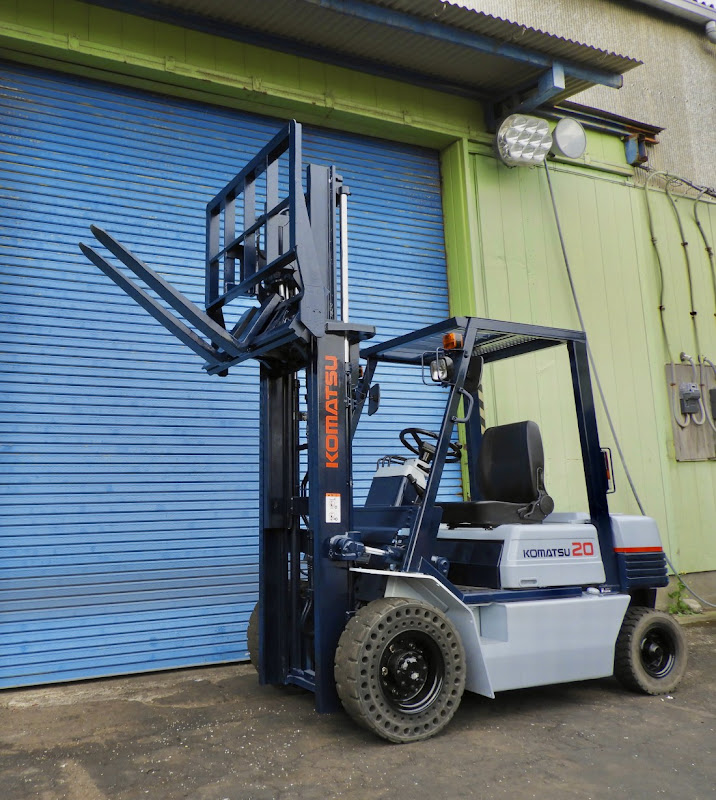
[[400, 669], [650, 654], [252, 637]]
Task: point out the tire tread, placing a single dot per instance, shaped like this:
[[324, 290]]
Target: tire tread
[[348, 655], [628, 669]]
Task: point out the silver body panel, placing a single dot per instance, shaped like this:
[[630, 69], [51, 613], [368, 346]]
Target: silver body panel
[[518, 644]]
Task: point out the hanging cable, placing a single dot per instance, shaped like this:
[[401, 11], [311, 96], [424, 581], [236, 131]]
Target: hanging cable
[[682, 420], [708, 417], [659, 264], [598, 382], [710, 363], [589, 349], [687, 260], [706, 189], [707, 245]]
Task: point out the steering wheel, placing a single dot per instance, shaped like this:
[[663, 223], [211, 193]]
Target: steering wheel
[[424, 450]]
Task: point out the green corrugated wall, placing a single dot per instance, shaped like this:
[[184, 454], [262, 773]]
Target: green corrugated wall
[[519, 275]]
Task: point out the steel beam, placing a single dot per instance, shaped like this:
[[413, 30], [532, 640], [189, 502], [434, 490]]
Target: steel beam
[[550, 84]]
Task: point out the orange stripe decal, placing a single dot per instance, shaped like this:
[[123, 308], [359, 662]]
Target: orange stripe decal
[[638, 550]]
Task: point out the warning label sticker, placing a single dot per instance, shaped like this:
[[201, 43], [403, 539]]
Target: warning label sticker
[[333, 508]]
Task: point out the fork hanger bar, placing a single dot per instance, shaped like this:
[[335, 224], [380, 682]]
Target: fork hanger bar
[[275, 148], [178, 302], [168, 320], [262, 220], [243, 287]]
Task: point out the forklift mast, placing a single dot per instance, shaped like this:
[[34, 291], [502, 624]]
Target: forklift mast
[[271, 242]]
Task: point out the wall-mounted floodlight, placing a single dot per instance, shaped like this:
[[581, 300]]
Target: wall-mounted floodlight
[[569, 137], [523, 141]]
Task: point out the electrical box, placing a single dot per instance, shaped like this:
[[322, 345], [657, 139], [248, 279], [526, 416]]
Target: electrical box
[[691, 406], [689, 396]]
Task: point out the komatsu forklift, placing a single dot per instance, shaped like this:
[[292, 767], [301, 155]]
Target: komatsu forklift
[[395, 607]]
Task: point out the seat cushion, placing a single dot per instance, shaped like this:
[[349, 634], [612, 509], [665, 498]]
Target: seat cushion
[[491, 513], [510, 461]]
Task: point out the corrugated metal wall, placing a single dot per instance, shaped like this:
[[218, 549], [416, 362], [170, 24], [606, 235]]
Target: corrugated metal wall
[[130, 478], [521, 276]]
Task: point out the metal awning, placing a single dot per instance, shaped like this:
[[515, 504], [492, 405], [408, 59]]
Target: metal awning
[[426, 42]]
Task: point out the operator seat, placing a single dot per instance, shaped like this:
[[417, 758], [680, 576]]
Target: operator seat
[[511, 479]]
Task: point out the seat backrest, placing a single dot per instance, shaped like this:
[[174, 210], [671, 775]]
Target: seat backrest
[[511, 463]]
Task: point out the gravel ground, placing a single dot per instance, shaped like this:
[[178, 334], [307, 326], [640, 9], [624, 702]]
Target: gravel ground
[[215, 734]]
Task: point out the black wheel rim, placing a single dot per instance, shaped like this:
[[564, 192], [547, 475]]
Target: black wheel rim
[[412, 672], [658, 652]]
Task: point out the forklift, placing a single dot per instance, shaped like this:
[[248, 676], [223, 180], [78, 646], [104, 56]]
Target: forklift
[[395, 607]]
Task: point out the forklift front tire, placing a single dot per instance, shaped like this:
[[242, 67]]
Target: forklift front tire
[[650, 654], [400, 669]]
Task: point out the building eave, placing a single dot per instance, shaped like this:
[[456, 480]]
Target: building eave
[[423, 42]]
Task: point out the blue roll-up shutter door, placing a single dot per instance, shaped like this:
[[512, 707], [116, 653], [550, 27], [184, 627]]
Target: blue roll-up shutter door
[[130, 484]]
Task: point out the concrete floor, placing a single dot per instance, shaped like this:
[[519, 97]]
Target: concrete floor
[[213, 733]]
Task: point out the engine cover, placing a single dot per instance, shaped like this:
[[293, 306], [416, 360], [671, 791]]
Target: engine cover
[[539, 556]]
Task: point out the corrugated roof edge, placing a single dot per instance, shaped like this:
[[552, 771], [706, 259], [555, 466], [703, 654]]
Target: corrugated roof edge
[[458, 15]]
